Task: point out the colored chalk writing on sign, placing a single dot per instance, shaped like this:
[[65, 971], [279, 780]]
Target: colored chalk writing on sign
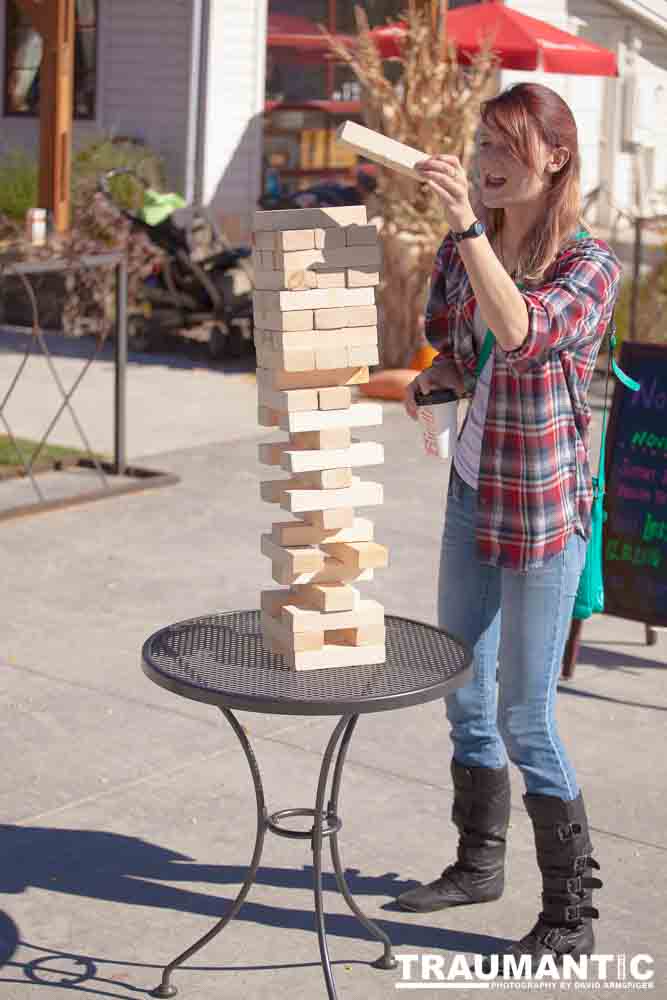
[[635, 532]]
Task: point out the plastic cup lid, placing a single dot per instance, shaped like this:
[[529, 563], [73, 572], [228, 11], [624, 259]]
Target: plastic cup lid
[[437, 396]]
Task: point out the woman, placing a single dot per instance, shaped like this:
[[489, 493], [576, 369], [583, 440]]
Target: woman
[[519, 500]]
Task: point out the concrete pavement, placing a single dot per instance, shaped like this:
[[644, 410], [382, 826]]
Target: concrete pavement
[[128, 812]]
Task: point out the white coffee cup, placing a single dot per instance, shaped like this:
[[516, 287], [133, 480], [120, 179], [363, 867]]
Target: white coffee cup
[[438, 415]]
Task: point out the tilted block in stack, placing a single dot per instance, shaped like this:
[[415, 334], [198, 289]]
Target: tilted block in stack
[[315, 323]]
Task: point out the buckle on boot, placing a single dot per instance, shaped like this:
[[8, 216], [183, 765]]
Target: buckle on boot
[[571, 914], [551, 939], [569, 885], [567, 831], [582, 862]]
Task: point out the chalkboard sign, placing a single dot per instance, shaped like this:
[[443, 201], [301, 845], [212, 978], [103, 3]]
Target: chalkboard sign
[[635, 534]]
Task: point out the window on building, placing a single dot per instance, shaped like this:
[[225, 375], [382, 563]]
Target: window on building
[[23, 57]]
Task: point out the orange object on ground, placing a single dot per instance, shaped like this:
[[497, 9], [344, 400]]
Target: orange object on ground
[[388, 384]]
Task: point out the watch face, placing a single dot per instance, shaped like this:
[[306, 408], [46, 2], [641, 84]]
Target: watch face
[[478, 228]]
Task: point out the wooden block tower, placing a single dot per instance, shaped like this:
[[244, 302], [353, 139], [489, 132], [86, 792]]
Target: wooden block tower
[[316, 335]]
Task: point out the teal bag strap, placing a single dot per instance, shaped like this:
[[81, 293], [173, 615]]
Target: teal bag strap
[[485, 353], [628, 382]]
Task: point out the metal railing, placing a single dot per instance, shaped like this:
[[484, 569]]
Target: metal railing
[[33, 465]]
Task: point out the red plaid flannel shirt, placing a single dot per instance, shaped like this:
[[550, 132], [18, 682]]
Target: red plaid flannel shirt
[[535, 485]]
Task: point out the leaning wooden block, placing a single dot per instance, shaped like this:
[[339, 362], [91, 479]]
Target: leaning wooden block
[[288, 400], [275, 379], [327, 479], [361, 235], [365, 635], [357, 415], [359, 453], [359, 555], [329, 520], [318, 298], [362, 277], [374, 146], [360, 494], [328, 437], [335, 656], [310, 218], [298, 533], [335, 398], [296, 559], [365, 614]]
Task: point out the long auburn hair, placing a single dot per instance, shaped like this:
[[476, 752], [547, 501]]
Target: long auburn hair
[[523, 113]]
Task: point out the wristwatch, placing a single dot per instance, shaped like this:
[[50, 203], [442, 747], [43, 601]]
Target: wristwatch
[[476, 229]]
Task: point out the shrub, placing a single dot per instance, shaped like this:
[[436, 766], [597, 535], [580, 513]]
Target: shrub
[[18, 184]]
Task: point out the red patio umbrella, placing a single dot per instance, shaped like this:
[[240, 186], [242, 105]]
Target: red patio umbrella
[[521, 42]]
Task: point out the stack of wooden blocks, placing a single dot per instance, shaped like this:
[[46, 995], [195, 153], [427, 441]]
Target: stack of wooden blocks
[[316, 335]]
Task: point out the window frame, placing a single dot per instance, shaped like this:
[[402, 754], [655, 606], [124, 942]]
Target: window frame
[[34, 115]]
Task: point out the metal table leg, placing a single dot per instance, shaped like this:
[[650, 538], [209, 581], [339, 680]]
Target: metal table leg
[[387, 959], [329, 826], [165, 989]]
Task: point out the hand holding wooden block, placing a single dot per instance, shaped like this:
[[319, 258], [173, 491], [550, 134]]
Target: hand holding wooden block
[[379, 148]]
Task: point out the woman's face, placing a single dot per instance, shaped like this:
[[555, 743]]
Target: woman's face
[[506, 180]]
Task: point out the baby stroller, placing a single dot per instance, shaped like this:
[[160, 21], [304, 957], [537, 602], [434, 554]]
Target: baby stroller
[[203, 280]]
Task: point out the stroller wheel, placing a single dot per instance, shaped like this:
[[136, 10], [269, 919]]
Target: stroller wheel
[[225, 342], [217, 343], [138, 334], [235, 341]]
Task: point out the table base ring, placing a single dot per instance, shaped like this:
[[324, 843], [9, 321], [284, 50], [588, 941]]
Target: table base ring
[[330, 823]]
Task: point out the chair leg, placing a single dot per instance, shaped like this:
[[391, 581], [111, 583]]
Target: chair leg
[[571, 649]]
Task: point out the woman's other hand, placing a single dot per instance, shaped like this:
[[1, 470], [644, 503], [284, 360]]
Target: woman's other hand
[[438, 376], [445, 175]]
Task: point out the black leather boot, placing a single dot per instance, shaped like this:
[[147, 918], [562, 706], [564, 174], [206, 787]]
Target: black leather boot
[[481, 811], [563, 856]]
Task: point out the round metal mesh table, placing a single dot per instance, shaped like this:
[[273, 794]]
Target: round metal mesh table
[[221, 659]]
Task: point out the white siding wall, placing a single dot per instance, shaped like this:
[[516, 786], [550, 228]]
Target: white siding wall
[[234, 105], [597, 101], [143, 85], [145, 75], [584, 94]]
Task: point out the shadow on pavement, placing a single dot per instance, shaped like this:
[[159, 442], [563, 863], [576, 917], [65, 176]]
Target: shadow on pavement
[[115, 868], [609, 659], [578, 693]]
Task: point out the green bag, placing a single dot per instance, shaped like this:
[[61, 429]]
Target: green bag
[[590, 593]]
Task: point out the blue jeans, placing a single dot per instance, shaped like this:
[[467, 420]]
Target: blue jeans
[[517, 624]]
